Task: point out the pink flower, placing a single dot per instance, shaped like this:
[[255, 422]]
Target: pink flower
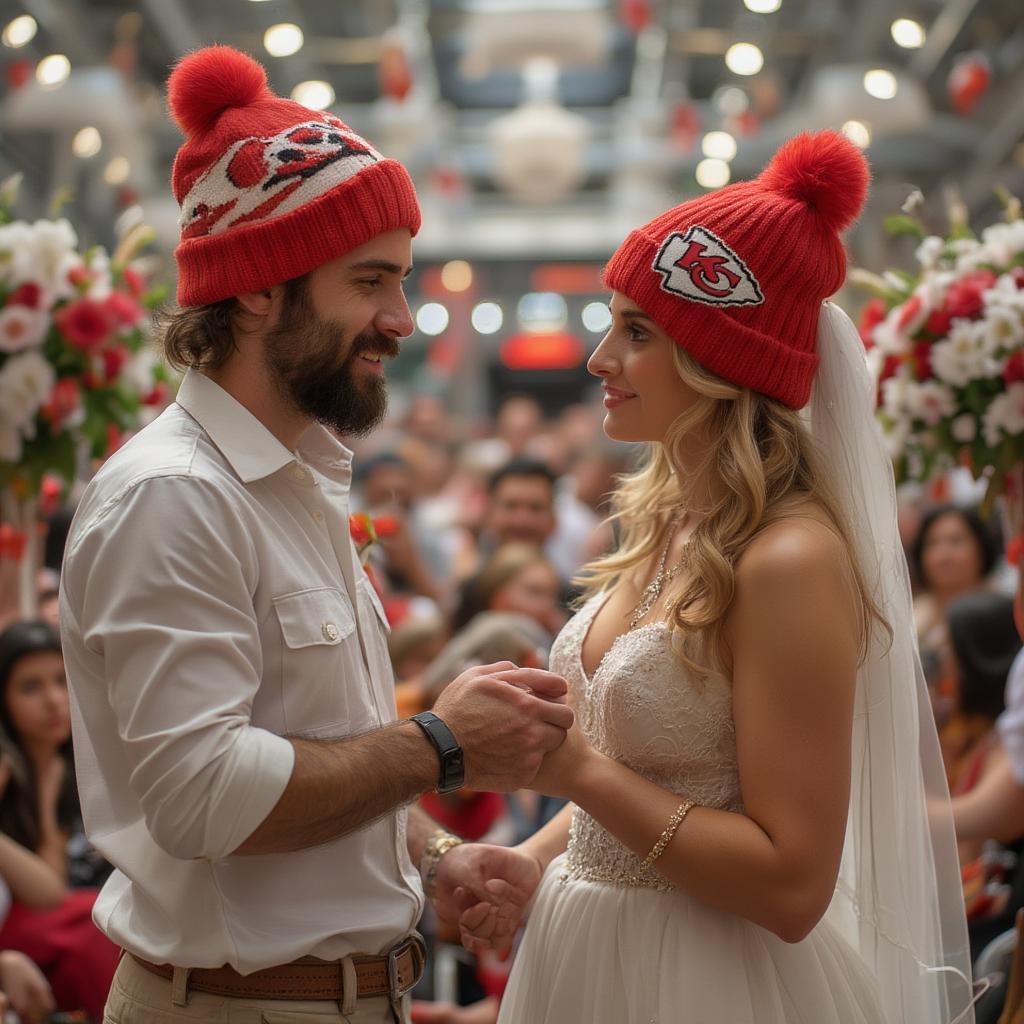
[[85, 324], [123, 309], [21, 328], [909, 313], [964, 298]]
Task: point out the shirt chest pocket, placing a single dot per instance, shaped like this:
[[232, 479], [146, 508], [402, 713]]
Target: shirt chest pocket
[[323, 681]]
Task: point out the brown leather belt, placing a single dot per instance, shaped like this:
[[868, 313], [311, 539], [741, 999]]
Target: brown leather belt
[[392, 974]]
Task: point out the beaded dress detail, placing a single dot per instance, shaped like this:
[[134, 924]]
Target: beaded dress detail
[[608, 944], [640, 709]]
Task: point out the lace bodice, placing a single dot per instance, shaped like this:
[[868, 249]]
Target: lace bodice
[[641, 709]]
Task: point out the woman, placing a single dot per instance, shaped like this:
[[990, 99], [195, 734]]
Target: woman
[[516, 578], [953, 553], [983, 643], [743, 671], [39, 811]]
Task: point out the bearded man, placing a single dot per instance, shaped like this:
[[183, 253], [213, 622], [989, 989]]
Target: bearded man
[[239, 760]]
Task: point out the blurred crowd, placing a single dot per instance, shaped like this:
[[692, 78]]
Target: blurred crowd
[[477, 537]]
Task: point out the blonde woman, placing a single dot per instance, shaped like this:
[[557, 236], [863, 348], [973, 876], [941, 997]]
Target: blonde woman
[[747, 840]]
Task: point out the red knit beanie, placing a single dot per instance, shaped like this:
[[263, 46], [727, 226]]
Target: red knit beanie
[[269, 189], [737, 277]]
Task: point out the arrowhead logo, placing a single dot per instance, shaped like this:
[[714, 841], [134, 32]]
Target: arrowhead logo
[[699, 266]]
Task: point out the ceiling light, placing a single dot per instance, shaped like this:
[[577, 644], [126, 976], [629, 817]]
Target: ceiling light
[[908, 33], [762, 6], [858, 133], [596, 317], [432, 318], [720, 145], [712, 173], [487, 318], [53, 70], [315, 94], [283, 40], [456, 275], [744, 59], [20, 31], [542, 311], [116, 172], [730, 100], [87, 142], [880, 83]]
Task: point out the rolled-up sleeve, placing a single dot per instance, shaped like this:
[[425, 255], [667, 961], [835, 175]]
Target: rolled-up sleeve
[[162, 583]]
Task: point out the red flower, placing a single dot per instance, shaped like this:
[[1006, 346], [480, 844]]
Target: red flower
[[123, 309], [871, 316], [49, 494], [1017, 274], [923, 359], [27, 294], [134, 282], [113, 359], [939, 322], [360, 527], [115, 439], [80, 276], [889, 367], [386, 526], [85, 324], [1013, 371], [909, 313], [158, 396], [64, 400], [963, 299]]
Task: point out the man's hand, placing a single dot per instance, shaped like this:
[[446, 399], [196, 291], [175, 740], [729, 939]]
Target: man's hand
[[491, 883], [27, 990], [505, 719]]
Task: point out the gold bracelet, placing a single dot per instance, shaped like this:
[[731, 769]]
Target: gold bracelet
[[439, 843], [666, 837]]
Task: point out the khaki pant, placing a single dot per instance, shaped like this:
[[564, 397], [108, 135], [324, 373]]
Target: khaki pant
[[138, 996]]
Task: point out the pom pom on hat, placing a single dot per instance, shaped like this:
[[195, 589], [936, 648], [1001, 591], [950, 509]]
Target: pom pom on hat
[[825, 171], [210, 81]]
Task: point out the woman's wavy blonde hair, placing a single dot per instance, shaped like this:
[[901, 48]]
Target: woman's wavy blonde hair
[[765, 459]]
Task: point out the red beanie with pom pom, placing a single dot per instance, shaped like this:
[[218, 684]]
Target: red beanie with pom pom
[[737, 277], [268, 189]]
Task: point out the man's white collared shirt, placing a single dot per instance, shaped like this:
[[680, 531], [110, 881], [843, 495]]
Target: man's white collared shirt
[[211, 604]]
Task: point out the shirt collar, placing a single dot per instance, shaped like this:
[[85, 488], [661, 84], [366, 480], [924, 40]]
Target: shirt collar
[[252, 451]]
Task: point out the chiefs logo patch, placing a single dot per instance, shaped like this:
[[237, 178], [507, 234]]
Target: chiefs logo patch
[[263, 177], [699, 266]]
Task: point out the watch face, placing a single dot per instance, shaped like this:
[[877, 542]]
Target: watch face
[[453, 771]]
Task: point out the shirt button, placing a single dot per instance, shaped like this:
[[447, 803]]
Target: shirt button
[[298, 472], [318, 516], [330, 631]]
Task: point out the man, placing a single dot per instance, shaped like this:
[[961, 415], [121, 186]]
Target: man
[[520, 504], [238, 758]]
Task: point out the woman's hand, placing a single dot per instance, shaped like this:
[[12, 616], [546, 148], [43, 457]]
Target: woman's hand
[[563, 767]]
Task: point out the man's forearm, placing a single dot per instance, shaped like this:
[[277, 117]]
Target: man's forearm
[[338, 786]]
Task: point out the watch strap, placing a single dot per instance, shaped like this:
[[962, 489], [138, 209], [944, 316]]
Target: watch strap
[[449, 752]]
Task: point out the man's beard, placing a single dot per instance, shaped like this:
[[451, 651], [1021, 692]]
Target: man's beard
[[301, 352]]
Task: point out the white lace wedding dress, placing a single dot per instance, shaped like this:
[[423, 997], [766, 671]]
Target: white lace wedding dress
[[602, 947]]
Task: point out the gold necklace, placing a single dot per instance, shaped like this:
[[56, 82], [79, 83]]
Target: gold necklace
[[652, 592]]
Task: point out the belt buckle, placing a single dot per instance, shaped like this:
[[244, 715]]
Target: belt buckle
[[397, 991]]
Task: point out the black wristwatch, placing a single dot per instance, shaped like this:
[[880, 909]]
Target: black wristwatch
[[453, 769]]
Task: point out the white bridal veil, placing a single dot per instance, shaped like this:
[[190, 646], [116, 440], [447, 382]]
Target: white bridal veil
[[899, 899]]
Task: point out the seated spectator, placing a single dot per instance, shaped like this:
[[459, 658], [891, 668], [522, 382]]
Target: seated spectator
[[516, 578], [39, 811], [983, 645], [954, 553]]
